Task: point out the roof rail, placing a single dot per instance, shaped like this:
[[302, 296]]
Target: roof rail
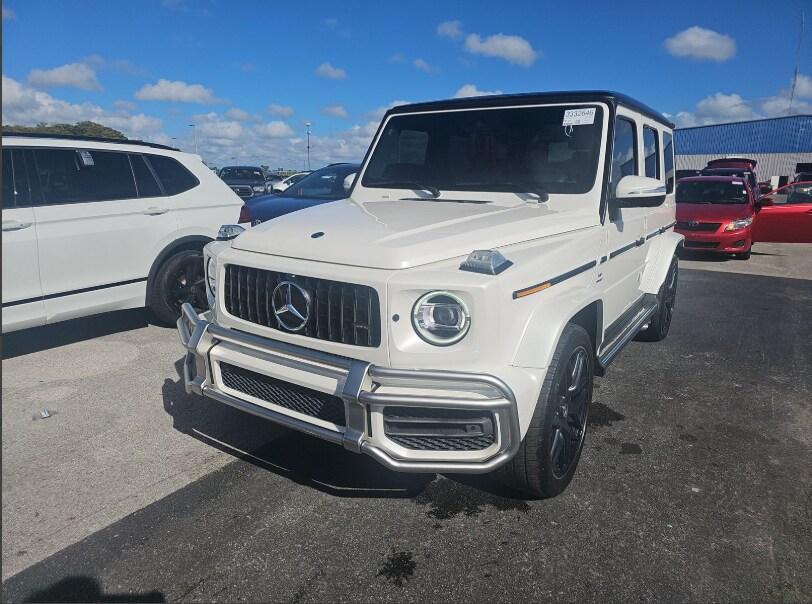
[[92, 139]]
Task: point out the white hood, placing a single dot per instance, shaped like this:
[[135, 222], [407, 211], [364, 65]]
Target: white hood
[[401, 234]]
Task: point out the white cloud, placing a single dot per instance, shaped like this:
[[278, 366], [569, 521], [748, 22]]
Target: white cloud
[[124, 105], [450, 29], [423, 66], [283, 110], [721, 108], [469, 90], [238, 114], [8, 14], [216, 129], [177, 92], [99, 63], [513, 49], [376, 115], [803, 87], [325, 70], [335, 111], [72, 75], [23, 105], [275, 129], [702, 44]]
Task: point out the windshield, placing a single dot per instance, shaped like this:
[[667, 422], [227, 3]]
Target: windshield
[[526, 148], [242, 173], [327, 183], [711, 192]]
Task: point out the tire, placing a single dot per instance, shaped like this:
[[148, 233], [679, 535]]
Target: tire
[[548, 455], [179, 279], [660, 323], [744, 255]]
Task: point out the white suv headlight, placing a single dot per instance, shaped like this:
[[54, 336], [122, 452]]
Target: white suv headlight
[[441, 318]]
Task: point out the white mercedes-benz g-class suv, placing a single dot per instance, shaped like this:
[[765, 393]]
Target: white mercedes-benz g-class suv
[[494, 254]]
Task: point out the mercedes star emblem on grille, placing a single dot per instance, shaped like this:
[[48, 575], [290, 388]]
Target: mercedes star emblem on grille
[[291, 305]]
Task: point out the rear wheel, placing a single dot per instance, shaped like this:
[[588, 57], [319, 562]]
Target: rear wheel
[[178, 280], [660, 322], [548, 455]]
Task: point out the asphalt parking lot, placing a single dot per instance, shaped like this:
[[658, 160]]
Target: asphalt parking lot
[[694, 484]]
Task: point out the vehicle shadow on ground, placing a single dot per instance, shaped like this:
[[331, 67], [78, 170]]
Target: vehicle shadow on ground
[[37, 339], [306, 460], [86, 589]]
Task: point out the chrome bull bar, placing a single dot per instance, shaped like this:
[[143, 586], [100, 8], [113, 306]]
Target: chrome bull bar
[[359, 386]]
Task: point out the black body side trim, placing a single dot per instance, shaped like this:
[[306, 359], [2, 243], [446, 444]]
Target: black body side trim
[[555, 280], [73, 292]]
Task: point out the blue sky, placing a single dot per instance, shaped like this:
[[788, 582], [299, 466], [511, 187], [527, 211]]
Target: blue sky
[[249, 74]]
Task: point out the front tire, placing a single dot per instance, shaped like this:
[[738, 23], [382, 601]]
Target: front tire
[[178, 280], [660, 323], [548, 455], [744, 255]]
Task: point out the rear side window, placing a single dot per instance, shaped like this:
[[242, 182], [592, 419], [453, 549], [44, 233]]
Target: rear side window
[[83, 175], [668, 160], [624, 152], [173, 176], [8, 180], [651, 149], [144, 179]]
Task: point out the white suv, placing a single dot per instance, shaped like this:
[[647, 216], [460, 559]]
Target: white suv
[[494, 255], [93, 225]]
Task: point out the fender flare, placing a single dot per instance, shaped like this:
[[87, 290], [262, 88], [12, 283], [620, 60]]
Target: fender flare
[[658, 261], [544, 327], [184, 243]]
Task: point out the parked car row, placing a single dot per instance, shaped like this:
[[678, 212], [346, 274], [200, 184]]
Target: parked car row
[[722, 209]]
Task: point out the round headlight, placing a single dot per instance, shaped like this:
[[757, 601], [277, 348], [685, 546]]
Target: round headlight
[[441, 318]]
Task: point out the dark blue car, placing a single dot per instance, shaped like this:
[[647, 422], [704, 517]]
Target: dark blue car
[[321, 186]]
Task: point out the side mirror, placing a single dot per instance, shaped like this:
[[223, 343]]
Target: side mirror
[[640, 191], [348, 181]]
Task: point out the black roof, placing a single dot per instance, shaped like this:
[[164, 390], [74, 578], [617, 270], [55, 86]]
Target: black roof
[[91, 139], [533, 98]]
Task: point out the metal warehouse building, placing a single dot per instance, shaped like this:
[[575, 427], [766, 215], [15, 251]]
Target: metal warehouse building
[[778, 144]]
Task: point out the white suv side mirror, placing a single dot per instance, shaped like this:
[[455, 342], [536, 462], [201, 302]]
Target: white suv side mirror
[[640, 191]]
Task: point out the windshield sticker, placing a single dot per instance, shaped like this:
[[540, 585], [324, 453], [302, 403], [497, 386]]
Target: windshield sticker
[[87, 158], [738, 182], [579, 117]]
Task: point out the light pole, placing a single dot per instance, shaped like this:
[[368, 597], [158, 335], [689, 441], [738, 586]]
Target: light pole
[[307, 125], [194, 131]]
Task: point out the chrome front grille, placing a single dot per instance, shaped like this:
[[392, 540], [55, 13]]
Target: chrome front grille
[[337, 312], [243, 190], [698, 226]]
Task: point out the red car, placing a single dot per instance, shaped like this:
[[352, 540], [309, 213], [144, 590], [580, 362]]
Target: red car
[[715, 213], [785, 214]]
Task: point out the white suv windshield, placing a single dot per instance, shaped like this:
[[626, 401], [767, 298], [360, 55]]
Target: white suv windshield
[[511, 149]]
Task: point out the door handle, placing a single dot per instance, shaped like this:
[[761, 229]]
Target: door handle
[[154, 211], [809, 211], [14, 225]]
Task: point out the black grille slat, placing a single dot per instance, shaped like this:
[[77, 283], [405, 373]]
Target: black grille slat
[[440, 443], [339, 312], [303, 400]]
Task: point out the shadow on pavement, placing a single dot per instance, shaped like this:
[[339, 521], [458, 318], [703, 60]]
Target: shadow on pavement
[[301, 458], [87, 589], [36, 339]]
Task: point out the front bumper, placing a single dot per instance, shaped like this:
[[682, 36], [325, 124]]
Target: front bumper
[[725, 242], [365, 389]]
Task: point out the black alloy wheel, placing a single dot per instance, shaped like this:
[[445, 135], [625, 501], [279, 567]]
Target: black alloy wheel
[[569, 422], [180, 279]]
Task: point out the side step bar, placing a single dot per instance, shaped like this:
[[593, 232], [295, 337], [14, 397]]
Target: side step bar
[[610, 350]]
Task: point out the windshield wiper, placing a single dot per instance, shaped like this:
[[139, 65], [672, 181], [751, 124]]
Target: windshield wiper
[[405, 184], [519, 187]]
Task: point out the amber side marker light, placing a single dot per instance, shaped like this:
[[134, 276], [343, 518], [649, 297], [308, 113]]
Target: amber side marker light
[[531, 290]]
